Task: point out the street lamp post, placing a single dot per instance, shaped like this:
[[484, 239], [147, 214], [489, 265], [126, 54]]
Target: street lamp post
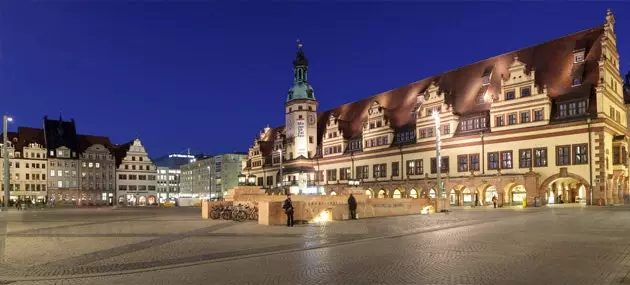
[[5, 152], [438, 158], [210, 183], [590, 160], [281, 179]]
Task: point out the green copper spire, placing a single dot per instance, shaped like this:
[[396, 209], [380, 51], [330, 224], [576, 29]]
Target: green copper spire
[[301, 89]]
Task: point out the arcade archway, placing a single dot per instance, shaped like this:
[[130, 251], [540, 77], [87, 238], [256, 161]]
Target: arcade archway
[[453, 197], [397, 194], [413, 193], [467, 197], [486, 193], [369, 193], [381, 193], [565, 188]]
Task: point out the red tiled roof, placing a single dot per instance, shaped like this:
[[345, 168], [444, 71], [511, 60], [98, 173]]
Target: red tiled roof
[[120, 151], [552, 61], [27, 135], [85, 141]]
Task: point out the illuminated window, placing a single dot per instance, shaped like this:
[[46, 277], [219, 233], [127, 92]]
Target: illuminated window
[[563, 155], [506, 159], [525, 158], [580, 154], [512, 119], [525, 117]]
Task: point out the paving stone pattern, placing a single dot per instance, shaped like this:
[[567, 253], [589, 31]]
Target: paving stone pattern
[[538, 246]]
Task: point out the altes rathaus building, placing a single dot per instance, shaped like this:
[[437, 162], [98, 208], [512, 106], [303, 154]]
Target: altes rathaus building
[[543, 124]]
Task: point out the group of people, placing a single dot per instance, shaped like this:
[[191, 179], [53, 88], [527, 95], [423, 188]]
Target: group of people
[[287, 205]]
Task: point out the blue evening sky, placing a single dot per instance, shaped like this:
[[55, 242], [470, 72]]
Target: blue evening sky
[[210, 75]]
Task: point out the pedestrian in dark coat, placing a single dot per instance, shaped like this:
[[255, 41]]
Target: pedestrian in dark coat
[[352, 204], [288, 209]]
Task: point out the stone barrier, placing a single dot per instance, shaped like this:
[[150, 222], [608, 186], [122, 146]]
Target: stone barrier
[[309, 208]]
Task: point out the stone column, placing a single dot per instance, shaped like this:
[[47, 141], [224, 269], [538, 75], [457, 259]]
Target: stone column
[[530, 182]]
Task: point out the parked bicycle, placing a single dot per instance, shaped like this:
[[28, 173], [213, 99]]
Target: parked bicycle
[[237, 213], [252, 213], [215, 214]]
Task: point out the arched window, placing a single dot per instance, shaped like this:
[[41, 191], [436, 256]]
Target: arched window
[[368, 193], [333, 193], [397, 194]]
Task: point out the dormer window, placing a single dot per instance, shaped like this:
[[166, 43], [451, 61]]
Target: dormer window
[[486, 80], [578, 58], [572, 108], [487, 74], [510, 95], [371, 125], [526, 92], [379, 124], [300, 107], [480, 99]]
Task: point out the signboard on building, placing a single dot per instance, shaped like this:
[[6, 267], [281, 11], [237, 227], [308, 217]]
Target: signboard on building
[[300, 135]]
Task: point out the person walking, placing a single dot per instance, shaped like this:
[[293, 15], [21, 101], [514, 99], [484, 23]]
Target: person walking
[[494, 201], [288, 209], [352, 204]]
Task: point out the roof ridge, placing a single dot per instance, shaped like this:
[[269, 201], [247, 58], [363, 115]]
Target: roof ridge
[[473, 63]]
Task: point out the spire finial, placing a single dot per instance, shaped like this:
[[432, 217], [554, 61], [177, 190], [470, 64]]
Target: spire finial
[[299, 43]]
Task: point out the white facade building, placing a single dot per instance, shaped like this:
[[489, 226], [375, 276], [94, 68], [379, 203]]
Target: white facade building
[[135, 175]]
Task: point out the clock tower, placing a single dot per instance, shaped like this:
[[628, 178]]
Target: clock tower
[[301, 112]]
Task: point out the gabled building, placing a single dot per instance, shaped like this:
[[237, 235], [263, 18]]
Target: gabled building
[[63, 159], [27, 162], [541, 124], [135, 175], [97, 167]]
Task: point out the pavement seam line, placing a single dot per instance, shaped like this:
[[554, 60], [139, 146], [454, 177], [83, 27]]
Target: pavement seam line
[[226, 259]]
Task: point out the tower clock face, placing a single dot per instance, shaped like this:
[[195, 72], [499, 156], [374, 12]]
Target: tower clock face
[[311, 119]]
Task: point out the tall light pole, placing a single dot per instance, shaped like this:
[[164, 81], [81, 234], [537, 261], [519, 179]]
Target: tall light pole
[[590, 159], [281, 180], [5, 151], [209, 183], [438, 158]]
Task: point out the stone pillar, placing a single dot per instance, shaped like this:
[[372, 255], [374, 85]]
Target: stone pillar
[[530, 182], [609, 189], [615, 191], [625, 189], [205, 210]]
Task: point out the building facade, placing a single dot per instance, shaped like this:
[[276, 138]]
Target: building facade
[[543, 124], [169, 172], [63, 160], [97, 167], [27, 162], [136, 179], [211, 177]]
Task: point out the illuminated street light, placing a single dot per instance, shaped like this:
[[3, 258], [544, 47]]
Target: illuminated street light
[[438, 158], [281, 180], [5, 151]]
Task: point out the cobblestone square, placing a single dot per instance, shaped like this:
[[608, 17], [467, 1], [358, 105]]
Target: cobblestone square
[[174, 246]]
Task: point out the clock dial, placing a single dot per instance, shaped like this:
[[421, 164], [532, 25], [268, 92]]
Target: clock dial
[[311, 119]]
